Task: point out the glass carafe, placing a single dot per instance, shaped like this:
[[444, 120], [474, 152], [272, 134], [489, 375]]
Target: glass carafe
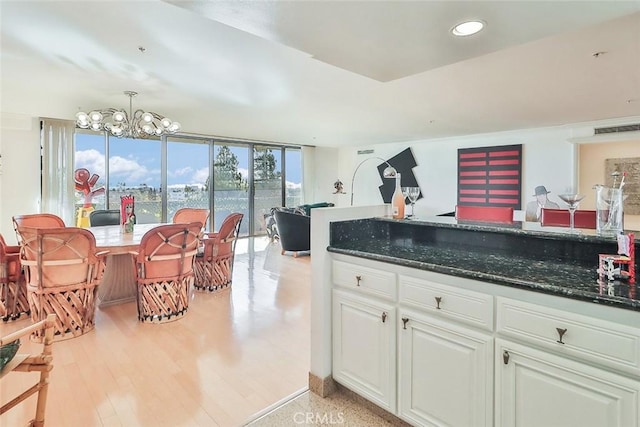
[[609, 211]]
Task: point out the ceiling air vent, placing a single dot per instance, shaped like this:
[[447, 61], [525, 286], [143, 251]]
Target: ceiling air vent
[[616, 129]]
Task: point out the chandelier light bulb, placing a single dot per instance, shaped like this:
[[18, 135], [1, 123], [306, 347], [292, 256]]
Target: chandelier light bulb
[[117, 122]]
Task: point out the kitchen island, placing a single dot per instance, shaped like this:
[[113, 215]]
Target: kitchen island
[[521, 254], [439, 322]]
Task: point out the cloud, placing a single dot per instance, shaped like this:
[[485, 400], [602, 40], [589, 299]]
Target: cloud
[[92, 160], [128, 171], [181, 172], [293, 184], [201, 175]]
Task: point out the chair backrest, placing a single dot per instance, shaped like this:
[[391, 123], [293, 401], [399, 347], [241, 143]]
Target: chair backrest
[[167, 252], [188, 215], [9, 262], [560, 218], [102, 217], [41, 220], [226, 236], [485, 213], [56, 257]]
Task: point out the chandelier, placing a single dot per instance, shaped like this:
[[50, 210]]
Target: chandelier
[[118, 122]]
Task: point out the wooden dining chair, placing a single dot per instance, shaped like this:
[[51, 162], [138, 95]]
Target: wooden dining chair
[[164, 271], [485, 213], [214, 267], [13, 288], [62, 270], [188, 215], [102, 217], [41, 362], [40, 220]]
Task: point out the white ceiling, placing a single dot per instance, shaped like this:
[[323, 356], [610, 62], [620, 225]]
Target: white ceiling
[[327, 73]]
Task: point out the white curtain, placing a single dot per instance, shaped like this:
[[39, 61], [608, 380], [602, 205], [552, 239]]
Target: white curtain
[[57, 168]]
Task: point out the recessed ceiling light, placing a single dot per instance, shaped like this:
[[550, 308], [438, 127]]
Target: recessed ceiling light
[[467, 28]]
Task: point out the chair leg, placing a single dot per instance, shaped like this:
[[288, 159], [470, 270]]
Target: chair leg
[[282, 252], [295, 254]]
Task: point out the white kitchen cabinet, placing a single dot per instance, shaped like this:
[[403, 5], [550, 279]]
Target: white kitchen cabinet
[[537, 388], [364, 347], [479, 354], [445, 373]]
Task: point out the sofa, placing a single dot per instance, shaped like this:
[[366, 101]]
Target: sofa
[[292, 226]]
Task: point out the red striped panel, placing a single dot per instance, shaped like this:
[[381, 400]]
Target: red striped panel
[[503, 173], [510, 201], [473, 163], [504, 192], [473, 155], [493, 172], [473, 199], [504, 181], [504, 162], [503, 154]]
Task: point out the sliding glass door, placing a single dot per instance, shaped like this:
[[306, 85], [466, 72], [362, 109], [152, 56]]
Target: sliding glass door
[[267, 184], [187, 175], [230, 183]]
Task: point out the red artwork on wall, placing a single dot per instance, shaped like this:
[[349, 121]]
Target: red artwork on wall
[[490, 176]]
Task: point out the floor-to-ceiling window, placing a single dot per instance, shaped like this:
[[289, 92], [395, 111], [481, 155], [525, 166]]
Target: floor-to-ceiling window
[[187, 181], [267, 183], [135, 169], [231, 183], [173, 172]]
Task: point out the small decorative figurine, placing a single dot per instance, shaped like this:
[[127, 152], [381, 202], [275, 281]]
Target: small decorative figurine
[[620, 266], [84, 182], [127, 213], [338, 186]]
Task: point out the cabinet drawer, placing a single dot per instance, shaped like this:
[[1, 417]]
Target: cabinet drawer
[[471, 308], [363, 279], [599, 341]]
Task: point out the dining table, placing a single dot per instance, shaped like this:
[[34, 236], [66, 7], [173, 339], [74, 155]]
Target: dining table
[[118, 283]]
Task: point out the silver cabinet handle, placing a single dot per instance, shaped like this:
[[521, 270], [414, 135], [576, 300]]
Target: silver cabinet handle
[[561, 333]]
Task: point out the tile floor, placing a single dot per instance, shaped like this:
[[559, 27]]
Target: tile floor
[[308, 409]]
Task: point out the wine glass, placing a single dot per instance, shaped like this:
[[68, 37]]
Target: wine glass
[[412, 193], [572, 200]]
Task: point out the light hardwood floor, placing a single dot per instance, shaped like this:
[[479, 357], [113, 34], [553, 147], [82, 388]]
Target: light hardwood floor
[[235, 353]]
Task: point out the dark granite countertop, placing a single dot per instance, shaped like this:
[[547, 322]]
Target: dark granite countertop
[[380, 240]]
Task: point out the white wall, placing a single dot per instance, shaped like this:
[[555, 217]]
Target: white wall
[[548, 159], [20, 173]]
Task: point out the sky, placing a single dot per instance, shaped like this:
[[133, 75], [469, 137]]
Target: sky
[[137, 161]]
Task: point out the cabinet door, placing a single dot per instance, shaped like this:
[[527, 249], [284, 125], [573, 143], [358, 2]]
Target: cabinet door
[[535, 388], [445, 373], [364, 347]]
